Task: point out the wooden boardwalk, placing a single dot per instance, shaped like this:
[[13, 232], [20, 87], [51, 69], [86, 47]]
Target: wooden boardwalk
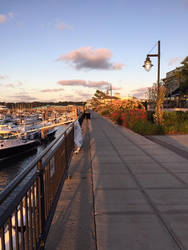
[[126, 192]]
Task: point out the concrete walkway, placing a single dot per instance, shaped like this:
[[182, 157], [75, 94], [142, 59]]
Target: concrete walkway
[[140, 194]]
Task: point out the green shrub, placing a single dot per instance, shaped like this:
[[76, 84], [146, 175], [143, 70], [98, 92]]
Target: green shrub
[[182, 116], [175, 122], [177, 128], [145, 127], [171, 118]]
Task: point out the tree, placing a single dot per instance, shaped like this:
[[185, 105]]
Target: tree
[[182, 76], [158, 116], [151, 93], [184, 72], [98, 98], [157, 99]]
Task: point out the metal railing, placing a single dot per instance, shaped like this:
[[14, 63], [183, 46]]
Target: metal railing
[[28, 203]]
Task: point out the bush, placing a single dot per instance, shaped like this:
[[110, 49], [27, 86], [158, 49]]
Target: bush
[[141, 122], [128, 117], [131, 116], [145, 127], [174, 117], [177, 128], [116, 117], [105, 112]]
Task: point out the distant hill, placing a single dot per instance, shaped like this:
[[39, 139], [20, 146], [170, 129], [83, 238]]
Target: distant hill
[[20, 105]]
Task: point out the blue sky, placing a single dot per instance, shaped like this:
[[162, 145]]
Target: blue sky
[[58, 50]]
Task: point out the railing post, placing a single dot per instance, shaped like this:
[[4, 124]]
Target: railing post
[[41, 204]]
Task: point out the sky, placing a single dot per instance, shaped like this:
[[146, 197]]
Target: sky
[[64, 50]]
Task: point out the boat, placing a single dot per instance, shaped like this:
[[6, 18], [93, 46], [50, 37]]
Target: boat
[[48, 134], [12, 146]]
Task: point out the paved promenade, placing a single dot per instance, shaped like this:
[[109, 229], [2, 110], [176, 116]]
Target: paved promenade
[[126, 193]]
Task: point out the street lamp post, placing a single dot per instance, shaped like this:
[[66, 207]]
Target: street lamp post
[[147, 65]]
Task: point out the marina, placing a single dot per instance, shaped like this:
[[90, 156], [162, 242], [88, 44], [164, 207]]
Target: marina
[[24, 134], [13, 166]]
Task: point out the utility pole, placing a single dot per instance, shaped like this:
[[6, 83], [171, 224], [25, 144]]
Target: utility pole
[[111, 92]]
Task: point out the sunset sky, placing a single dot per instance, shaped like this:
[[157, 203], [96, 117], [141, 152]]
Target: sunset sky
[[63, 50]]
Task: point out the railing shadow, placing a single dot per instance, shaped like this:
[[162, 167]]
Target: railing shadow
[[77, 205]]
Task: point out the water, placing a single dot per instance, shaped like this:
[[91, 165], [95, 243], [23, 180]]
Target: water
[[10, 169]]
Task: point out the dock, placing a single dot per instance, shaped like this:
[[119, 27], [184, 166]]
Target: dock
[[124, 192]]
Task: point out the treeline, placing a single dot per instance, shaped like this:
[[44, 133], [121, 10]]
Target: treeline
[[21, 105]]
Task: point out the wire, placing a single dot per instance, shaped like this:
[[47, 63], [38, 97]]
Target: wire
[[153, 48]]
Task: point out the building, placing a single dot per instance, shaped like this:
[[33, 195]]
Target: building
[[172, 83]]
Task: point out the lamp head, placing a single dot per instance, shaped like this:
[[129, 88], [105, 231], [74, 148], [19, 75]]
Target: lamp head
[[147, 64]]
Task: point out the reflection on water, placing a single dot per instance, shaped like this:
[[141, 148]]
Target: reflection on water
[[10, 169]]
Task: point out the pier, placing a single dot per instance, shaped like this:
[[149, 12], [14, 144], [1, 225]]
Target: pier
[[124, 192]]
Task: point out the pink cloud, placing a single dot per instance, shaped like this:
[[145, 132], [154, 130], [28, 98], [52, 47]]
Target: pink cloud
[[89, 84], [139, 93], [175, 60], [63, 26], [3, 19], [72, 82], [99, 84], [19, 83], [117, 66], [116, 88], [24, 98], [14, 85], [88, 58], [3, 77], [83, 94], [10, 85], [10, 14], [51, 90]]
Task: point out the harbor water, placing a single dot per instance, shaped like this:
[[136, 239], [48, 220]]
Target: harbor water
[[13, 167]]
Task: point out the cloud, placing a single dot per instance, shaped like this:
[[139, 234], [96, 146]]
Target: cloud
[[116, 88], [19, 83], [72, 82], [175, 60], [10, 85], [14, 85], [83, 94], [10, 14], [51, 90], [69, 97], [139, 93], [3, 19], [3, 77], [63, 26], [117, 66], [24, 98], [89, 84], [88, 58]]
